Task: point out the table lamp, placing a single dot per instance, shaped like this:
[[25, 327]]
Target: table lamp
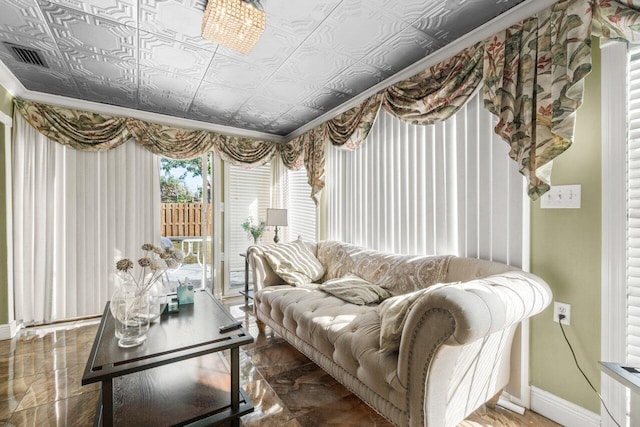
[[277, 217]]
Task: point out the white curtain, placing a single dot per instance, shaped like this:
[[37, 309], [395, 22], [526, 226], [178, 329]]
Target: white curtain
[[76, 213], [448, 188]]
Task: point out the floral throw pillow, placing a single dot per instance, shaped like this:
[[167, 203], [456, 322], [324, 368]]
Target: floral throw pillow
[[294, 263]]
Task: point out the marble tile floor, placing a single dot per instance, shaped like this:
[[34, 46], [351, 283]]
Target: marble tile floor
[[40, 372]]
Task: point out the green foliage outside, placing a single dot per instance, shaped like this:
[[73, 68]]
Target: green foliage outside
[[170, 185], [172, 190]]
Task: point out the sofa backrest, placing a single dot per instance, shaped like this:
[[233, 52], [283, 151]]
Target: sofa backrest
[[398, 273]]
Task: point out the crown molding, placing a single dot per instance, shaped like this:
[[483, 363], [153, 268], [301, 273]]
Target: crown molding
[[15, 88], [522, 11]]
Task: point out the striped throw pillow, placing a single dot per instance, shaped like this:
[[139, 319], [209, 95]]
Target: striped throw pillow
[[294, 262]]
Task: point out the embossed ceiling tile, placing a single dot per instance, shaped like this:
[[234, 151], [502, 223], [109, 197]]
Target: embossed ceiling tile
[[23, 18], [264, 109], [325, 99], [88, 65], [176, 19], [175, 57], [123, 11], [299, 17], [258, 118], [208, 113], [303, 114], [354, 29], [311, 64], [108, 92], [407, 10], [158, 102], [219, 99], [283, 88], [272, 49], [165, 84], [87, 32], [236, 73], [287, 124], [401, 51], [43, 79], [357, 78], [447, 20]]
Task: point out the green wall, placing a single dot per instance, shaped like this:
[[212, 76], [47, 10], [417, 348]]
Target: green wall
[[565, 251], [6, 106]]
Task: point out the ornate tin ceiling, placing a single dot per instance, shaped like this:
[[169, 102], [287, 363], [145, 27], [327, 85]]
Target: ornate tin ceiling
[[148, 54]]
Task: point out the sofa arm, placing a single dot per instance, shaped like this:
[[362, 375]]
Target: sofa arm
[[476, 309], [262, 273], [458, 319]]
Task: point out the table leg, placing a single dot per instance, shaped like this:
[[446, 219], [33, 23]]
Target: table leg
[[107, 403], [235, 384], [246, 281]]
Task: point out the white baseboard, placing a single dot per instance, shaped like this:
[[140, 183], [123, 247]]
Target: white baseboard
[[9, 330], [562, 411]]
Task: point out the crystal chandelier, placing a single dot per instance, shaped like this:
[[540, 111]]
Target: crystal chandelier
[[236, 24]]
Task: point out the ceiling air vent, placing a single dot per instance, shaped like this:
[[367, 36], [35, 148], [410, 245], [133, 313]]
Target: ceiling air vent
[[26, 55]]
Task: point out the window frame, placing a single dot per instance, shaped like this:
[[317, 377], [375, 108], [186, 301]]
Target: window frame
[[614, 218]]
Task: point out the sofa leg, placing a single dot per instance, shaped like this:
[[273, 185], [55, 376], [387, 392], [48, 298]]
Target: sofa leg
[[261, 326], [494, 400]]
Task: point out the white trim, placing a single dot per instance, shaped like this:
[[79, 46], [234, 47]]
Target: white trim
[[8, 331], [525, 390], [522, 11], [6, 120], [8, 191], [505, 402], [11, 83], [562, 411], [218, 218], [614, 220]]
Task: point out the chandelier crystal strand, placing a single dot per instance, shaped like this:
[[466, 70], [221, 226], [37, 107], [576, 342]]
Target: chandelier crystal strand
[[235, 24]]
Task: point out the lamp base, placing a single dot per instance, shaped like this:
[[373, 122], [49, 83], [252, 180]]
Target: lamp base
[[276, 239]]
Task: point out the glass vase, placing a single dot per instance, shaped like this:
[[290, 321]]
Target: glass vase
[[158, 299], [130, 310]]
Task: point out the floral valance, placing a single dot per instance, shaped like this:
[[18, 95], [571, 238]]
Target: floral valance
[[531, 77]]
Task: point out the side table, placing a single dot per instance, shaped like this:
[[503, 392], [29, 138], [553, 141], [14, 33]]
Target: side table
[[248, 294]]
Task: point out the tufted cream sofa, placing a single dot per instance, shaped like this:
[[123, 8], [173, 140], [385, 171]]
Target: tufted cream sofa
[[455, 346]]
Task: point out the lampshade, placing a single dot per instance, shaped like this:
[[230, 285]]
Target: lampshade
[[276, 217], [236, 24]]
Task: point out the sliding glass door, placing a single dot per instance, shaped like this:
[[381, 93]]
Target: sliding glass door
[[186, 218]]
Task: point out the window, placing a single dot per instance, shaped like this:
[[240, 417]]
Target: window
[[302, 210], [247, 195], [448, 188], [633, 208]]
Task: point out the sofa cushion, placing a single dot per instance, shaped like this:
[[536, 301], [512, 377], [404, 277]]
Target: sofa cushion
[[346, 333], [399, 274], [355, 290], [294, 263]]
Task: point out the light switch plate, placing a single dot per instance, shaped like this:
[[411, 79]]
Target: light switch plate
[[562, 197]]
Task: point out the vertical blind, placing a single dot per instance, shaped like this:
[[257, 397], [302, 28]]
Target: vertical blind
[[447, 188], [247, 196], [633, 205], [75, 214], [301, 209]]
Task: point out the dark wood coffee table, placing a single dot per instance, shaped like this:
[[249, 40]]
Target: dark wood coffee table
[[176, 377]]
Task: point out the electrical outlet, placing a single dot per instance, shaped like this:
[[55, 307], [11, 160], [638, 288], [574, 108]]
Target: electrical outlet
[[564, 309]]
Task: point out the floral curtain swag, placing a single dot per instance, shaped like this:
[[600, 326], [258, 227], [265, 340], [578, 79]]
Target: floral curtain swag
[[530, 76]]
